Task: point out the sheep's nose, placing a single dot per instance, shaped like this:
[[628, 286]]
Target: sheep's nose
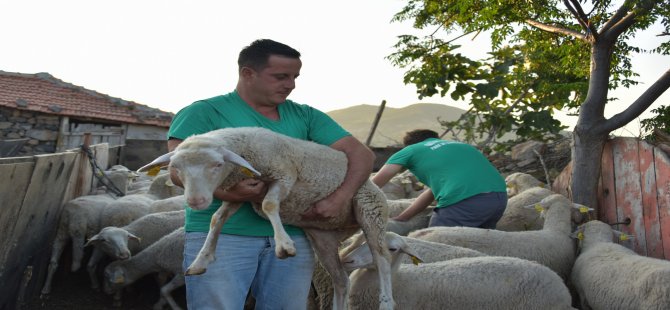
[[124, 255], [195, 201]]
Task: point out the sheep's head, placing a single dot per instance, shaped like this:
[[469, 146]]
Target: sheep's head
[[361, 257], [201, 170]]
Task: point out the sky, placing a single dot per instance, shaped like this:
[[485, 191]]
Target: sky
[[167, 54]]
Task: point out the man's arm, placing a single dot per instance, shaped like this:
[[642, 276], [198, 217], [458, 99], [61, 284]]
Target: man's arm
[[420, 204], [246, 190], [386, 173], [360, 160]]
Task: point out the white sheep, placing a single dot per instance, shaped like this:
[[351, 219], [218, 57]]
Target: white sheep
[[402, 186], [127, 209], [607, 275], [299, 173], [79, 220], [552, 246], [519, 218], [429, 252], [123, 242], [165, 255], [479, 282], [518, 182]]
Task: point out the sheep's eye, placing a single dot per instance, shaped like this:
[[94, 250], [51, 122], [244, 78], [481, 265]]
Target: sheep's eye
[[218, 165], [393, 249]]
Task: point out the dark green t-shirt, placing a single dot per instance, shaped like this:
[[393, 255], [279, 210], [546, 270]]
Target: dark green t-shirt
[[452, 170], [296, 120]]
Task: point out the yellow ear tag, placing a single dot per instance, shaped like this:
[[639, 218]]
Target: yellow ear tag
[[539, 208], [541, 185], [623, 237], [247, 172], [580, 235], [154, 171], [583, 210], [415, 260]]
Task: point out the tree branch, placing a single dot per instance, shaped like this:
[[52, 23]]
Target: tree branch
[[627, 21], [620, 13], [574, 11], [555, 29], [639, 105]]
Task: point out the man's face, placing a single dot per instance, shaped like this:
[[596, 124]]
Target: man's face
[[273, 84]]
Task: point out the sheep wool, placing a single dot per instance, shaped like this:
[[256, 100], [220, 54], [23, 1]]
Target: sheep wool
[[610, 276]]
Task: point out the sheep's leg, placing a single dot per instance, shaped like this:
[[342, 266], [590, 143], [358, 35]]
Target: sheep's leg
[[92, 267], [325, 244], [206, 254], [77, 251], [166, 293], [284, 246], [56, 252], [371, 213]]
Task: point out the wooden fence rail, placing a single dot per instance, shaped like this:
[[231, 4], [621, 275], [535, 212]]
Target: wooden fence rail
[[32, 193], [634, 185]]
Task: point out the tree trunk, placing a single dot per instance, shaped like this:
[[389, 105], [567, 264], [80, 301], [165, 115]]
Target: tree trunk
[[588, 137], [587, 150]]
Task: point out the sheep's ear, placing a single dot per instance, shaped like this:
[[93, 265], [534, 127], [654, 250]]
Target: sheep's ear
[[133, 237], [582, 208], [238, 160], [578, 234], [153, 167], [407, 249], [536, 206], [622, 236], [95, 239]]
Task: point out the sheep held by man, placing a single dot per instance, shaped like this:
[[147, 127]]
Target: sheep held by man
[[299, 173]]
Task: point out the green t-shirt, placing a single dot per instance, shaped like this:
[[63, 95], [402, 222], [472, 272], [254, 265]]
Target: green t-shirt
[[452, 170], [296, 120]]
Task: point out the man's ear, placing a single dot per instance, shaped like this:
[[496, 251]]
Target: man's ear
[[247, 72]]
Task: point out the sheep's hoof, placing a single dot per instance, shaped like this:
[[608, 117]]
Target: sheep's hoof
[[193, 271], [283, 253]]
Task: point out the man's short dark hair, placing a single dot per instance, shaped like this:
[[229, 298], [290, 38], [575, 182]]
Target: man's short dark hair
[[256, 55], [418, 135]]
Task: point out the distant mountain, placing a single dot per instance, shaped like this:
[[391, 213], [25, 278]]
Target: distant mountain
[[394, 121]]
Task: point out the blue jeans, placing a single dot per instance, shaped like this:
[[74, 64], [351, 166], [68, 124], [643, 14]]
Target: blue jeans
[[482, 210], [246, 263]]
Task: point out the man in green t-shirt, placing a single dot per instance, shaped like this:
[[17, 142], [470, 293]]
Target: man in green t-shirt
[[245, 259], [469, 190]]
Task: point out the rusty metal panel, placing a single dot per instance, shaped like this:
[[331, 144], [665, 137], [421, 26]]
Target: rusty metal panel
[[606, 188], [662, 165], [628, 190], [649, 200]]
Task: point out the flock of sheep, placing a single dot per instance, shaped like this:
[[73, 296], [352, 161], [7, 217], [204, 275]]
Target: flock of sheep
[[545, 253]]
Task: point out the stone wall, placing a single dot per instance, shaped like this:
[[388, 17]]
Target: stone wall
[[40, 129]]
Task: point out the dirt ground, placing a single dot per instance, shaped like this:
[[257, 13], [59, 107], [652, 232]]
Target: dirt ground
[[72, 290]]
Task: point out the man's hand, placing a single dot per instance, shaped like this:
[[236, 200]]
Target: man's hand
[[252, 190], [327, 208]]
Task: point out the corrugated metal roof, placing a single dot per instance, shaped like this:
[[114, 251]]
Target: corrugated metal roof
[[44, 93]]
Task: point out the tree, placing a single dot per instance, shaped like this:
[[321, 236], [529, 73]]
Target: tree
[[545, 55]]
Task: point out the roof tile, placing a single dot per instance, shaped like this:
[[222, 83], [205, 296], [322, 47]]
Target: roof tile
[[44, 93]]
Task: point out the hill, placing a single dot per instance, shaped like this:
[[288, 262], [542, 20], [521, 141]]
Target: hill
[[394, 121]]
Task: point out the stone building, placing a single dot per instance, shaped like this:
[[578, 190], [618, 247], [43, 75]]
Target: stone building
[[40, 114]]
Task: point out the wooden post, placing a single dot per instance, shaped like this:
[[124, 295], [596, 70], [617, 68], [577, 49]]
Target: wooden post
[[375, 123], [83, 164]]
